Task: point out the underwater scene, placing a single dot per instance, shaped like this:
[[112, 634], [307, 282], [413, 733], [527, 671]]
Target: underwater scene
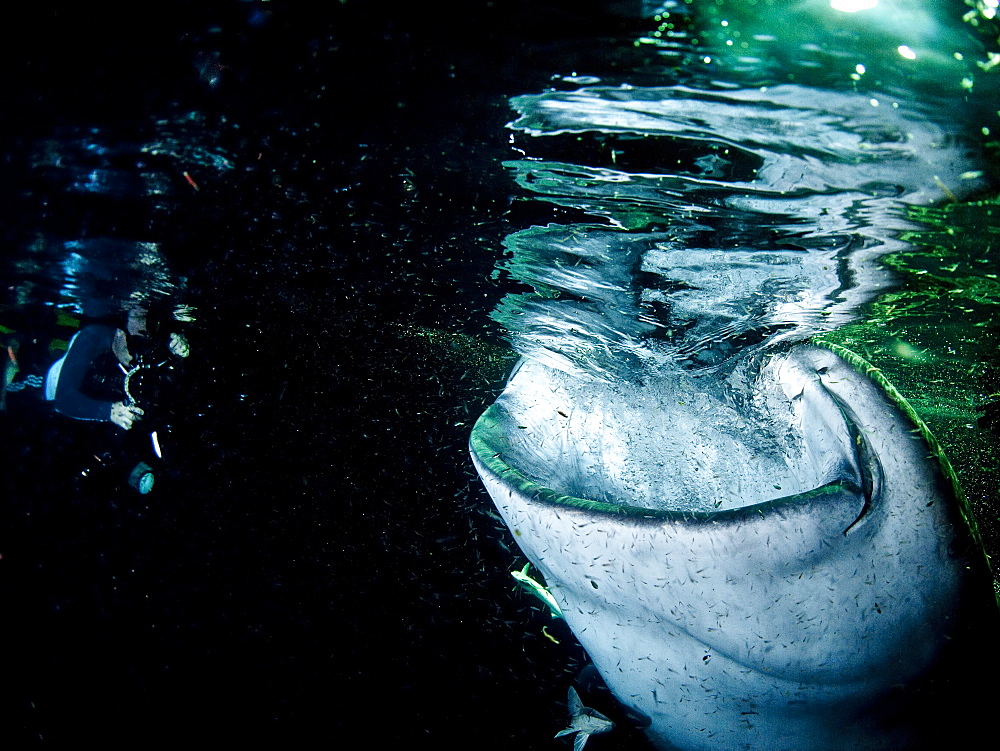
[[518, 375]]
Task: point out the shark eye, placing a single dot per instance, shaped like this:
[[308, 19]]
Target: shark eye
[[823, 371]]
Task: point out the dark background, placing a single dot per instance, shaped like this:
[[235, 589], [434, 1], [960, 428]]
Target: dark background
[[319, 563]]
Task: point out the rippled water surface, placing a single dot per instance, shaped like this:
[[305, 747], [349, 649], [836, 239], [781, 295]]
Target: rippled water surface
[[351, 215]]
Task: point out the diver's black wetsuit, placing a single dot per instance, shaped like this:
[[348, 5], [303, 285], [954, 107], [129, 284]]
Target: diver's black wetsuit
[[89, 377]]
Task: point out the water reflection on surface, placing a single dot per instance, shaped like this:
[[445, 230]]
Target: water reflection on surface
[[712, 215]]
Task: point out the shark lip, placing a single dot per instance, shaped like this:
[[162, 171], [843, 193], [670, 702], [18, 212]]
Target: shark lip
[[859, 476], [866, 470], [859, 465]]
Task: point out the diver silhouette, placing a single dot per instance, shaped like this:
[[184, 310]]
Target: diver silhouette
[[91, 381]]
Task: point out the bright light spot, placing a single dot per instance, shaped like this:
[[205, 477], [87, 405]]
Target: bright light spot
[[906, 52], [852, 6], [992, 62], [860, 69], [873, 102], [907, 351], [706, 59]]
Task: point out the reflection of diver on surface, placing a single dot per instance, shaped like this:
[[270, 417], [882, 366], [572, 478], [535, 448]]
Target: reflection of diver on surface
[[99, 378], [31, 335]]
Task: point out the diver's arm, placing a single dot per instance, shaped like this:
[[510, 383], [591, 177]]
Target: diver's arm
[[69, 398]]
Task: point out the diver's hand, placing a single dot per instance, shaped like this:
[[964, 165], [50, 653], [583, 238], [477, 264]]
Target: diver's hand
[[123, 415], [179, 345]]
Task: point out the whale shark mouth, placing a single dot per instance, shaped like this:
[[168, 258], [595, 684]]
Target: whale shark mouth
[[679, 447]]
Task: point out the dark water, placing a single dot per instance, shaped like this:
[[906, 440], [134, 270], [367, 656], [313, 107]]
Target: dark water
[[317, 561]]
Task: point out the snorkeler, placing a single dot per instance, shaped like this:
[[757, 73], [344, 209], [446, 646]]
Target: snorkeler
[[91, 381]]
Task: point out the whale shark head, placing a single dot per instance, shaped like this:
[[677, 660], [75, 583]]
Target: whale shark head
[[756, 540], [779, 565]]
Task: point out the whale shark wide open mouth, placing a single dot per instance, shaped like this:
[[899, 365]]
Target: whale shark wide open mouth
[[679, 445]]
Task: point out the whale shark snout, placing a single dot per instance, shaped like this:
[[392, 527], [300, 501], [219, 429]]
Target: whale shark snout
[[777, 566]]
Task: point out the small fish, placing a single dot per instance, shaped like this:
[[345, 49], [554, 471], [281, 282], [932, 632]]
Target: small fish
[[538, 590], [583, 721]]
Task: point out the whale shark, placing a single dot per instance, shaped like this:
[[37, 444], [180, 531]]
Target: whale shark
[[745, 618], [756, 539]]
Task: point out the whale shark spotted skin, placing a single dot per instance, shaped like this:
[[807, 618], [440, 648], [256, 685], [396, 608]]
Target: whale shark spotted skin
[[762, 619]]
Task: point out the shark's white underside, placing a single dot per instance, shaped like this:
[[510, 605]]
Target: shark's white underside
[[804, 617]]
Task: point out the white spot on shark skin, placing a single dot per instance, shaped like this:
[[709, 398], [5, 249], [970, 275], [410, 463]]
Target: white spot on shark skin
[[583, 721]]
